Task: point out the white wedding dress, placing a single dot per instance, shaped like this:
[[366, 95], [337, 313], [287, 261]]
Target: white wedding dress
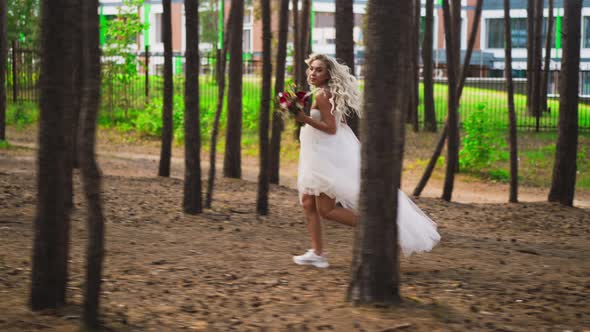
[[330, 164]]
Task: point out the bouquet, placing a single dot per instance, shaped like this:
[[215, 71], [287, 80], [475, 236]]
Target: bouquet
[[293, 101]]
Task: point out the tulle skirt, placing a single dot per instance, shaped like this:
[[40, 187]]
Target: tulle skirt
[[330, 164]]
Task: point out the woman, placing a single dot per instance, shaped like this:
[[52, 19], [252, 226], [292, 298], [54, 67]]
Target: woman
[[329, 164]]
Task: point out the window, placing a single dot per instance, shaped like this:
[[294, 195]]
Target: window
[[248, 16], [495, 32], [544, 30], [159, 30], [586, 29], [246, 37]]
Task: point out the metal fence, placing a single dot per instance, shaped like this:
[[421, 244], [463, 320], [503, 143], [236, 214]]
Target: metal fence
[[142, 81]]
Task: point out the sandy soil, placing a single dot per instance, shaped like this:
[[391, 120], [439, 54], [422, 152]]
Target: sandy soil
[[499, 267]]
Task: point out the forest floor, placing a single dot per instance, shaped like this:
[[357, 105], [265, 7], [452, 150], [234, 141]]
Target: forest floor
[[499, 266]]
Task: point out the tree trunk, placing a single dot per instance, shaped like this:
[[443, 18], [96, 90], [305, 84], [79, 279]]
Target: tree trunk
[[530, 46], [277, 120], [296, 33], [89, 169], [563, 184], [218, 110], [51, 225], [412, 89], [452, 104], [345, 46], [232, 163], [304, 36], [463, 76], [167, 130], [3, 55], [375, 268], [536, 63], [427, 55], [511, 113], [546, 66], [263, 175], [192, 201]]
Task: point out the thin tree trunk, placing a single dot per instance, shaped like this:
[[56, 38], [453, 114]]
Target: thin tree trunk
[[548, 37], [563, 184], [304, 36], [427, 55], [375, 268], [50, 247], [167, 130], [192, 201], [89, 169], [536, 62], [263, 175], [232, 163], [345, 46], [452, 104], [218, 110], [463, 76], [277, 120], [296, 50], [530, 44], [511, 113], [3, 55]]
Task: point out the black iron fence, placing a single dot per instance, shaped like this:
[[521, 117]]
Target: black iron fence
[[133, 80]]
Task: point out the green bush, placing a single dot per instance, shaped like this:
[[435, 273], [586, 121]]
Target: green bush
[[21, 114], [481, 145]]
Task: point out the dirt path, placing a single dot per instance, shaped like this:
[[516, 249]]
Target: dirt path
[[499, 267]]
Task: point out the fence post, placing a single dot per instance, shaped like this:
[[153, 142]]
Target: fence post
[[14, 73], [147, 71]]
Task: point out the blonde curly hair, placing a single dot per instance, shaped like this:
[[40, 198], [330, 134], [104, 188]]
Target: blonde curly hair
[[346, 99]]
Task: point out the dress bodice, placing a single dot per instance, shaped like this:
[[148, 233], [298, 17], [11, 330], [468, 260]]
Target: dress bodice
[[315, 114]]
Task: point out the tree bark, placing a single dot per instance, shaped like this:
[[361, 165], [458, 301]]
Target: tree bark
[[427, 60], [452, 104], [51, 225], [263, 175], [277, 120], [546, 66], [296, 38], [167, 129], [89, 169], [218, 110], [563, 184], [530, 44], [3, 55], [232, 163], [345, 46], [375, 268], [304, 36], [192, 200], [536, 63], [513, 198]]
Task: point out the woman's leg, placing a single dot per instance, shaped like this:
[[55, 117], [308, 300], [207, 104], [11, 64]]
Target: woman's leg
[[327, 209], [314, 226]]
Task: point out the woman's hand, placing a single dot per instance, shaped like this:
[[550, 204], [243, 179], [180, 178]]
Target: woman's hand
[[300, 117]]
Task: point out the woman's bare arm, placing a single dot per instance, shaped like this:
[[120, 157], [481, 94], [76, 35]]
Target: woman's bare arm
[[328, 122]]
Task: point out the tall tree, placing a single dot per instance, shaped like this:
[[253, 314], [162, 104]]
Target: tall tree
[[375, 268], [546, 69], [535, 104], [427, 55], [192, 202], [263, 175], [89, 169], [218, 109], [345, 45], [50, 254], [167, 130], [3, 54], [513, 198], [296, 33], [303, 42], [453, 42], [463, 76], [530, 44], [563, 184], [414, 88], [277, 120], [232, 163]]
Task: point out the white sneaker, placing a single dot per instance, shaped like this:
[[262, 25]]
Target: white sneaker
[[310, 258]]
